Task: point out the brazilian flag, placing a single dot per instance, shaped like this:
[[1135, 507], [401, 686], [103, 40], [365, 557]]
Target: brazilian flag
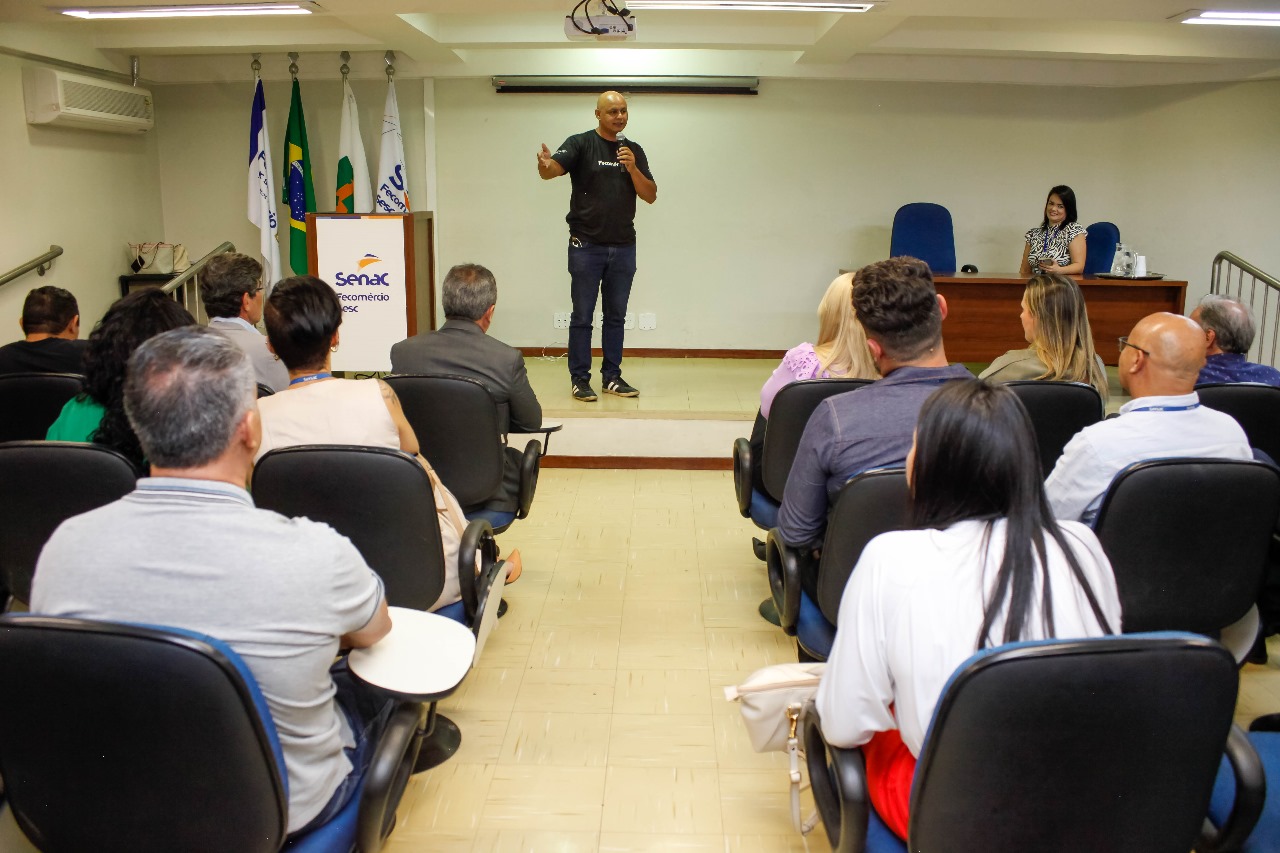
[[299, 194]]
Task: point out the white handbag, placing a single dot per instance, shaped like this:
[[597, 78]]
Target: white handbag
[[772, 703], [161, 258]]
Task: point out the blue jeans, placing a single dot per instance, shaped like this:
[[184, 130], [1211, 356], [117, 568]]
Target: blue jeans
[[606, 270], [367, 710]]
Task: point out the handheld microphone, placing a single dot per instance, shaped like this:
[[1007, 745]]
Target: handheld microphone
[[622, 140]]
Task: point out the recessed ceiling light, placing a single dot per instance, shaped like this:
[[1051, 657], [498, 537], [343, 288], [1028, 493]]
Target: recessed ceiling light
[[205, 11], [753, 5], [1235, 19]]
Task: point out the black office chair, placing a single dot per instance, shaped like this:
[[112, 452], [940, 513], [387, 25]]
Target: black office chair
[[135, 738], [381, 500], [459, 432], [1188, 541], [31, 402], [1059, 747], [1058, 411], [1255, 407], [42, 484], [777, 447], [807, 592], [265, 390]]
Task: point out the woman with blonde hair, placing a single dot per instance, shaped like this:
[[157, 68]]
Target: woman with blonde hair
[[841, 350], [1056, 325]]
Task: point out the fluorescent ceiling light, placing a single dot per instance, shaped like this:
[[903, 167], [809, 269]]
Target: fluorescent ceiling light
[[207, 11], [1237, 19], [753, 5]]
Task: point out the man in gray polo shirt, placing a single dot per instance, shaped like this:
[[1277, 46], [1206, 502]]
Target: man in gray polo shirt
[[188, 549], [871, 427]]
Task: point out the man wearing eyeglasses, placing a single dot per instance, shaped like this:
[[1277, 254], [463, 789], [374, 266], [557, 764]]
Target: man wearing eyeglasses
[[231, 287], [1159, 362]]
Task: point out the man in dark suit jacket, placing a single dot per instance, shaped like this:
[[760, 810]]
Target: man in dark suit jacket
[[462, 347]]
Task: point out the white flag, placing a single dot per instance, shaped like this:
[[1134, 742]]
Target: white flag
[[262, 190], [354, 193], [392, 192]]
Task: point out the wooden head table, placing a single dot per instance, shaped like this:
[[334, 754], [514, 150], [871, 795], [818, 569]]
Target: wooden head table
[[982, 319]]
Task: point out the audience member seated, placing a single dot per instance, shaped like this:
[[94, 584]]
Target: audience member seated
[[303, 315], [987, 566], [1056, 324], [1159, 363], [1229, 329], [841, 349], [187, 549], [871, 427], [51, 322], [98, 415], [463, 347], [231, 288]]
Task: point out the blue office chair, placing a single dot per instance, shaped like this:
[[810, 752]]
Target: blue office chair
[[1060, 746], [129, 738], [1100, 247], [923, 230]]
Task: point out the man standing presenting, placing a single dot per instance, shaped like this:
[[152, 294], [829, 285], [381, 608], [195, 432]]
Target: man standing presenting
[[608, 171]]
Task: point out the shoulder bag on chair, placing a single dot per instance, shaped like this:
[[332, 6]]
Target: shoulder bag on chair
[[772, 701]]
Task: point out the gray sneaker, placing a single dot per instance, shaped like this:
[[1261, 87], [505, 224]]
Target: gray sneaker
[[619, 386], [582, 391]]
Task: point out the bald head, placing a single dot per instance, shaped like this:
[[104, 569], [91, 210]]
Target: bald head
[[1174, 354], [611, 111]]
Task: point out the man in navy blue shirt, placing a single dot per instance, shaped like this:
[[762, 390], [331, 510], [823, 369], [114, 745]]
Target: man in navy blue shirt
[[872, 426], [1229, 329], [608, 172]]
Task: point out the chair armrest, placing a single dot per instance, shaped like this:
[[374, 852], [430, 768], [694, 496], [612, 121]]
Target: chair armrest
[[476, 539], [387, 776], [530, 466], [1251, 793], [545, 431], [785, 564], [838, 778], [742, 475]]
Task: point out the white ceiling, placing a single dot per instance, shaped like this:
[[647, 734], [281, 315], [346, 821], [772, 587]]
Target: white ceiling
[[1069, 42]]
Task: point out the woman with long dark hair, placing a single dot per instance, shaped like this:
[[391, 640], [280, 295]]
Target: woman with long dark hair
[[97, 414], [1058, 244], [986, 565]]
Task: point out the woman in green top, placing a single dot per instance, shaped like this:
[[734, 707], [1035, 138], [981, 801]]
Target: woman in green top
[[1056, 325], [97, 414]]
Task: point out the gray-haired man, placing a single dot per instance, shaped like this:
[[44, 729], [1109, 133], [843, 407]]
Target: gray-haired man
[[1229, 329], [463, 347], [231, 287], [188, 549]]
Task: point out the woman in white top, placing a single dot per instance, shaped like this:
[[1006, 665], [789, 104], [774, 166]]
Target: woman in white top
[[1058, 245], [987, 565], [302, 317]]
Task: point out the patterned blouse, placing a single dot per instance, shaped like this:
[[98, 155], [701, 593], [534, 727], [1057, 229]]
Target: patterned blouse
[[799, 363], [1053, 244]]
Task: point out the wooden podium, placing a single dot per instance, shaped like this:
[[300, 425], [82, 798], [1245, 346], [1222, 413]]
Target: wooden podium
[[382, 266]]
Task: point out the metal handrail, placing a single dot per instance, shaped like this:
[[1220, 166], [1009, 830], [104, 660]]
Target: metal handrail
[[190, 272], [1226, 266], [39, 264]]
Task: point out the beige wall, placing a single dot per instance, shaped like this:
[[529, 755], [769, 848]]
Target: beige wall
[[761, 199], [89, 192]]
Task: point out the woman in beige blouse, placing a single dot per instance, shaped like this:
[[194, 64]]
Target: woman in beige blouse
[[1056, 325]]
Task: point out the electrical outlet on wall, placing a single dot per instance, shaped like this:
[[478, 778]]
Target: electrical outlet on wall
[[630, 321], [560, 320], [648, 321]]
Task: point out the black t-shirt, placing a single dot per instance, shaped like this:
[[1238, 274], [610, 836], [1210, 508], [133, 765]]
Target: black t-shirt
[[602, 208], [51, 355]]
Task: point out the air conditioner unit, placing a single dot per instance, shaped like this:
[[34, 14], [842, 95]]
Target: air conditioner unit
[[59, 99]]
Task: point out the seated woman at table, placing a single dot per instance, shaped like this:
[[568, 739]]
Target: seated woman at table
[[302, 317], [97, 414], [1058, 244], [1056, 324], [841, 351], [986, 564]]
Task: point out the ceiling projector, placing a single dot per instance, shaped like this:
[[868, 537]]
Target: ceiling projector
[[599, 20]]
